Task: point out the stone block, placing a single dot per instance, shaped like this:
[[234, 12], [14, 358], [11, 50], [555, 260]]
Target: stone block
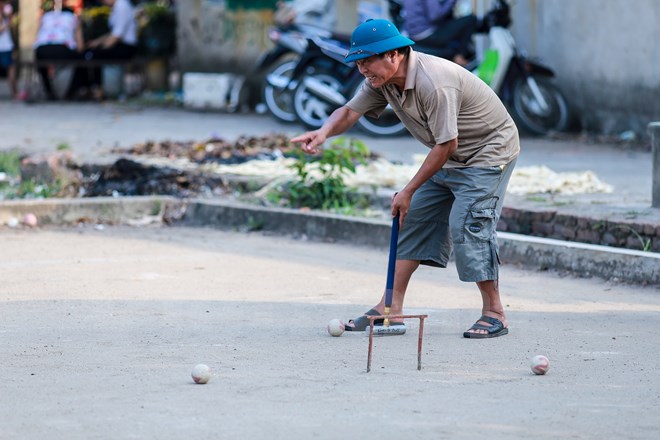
[[588, 236], [542, 229]]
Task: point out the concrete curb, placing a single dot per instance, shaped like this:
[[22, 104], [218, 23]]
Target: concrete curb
[[313, 225], [533, 252], [581, 259], [108, 210]]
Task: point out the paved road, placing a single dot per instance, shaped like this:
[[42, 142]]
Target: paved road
[[101, 328]]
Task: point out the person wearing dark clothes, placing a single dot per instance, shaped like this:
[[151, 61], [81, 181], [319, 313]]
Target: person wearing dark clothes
[[118, 44], [432, 23], [7, 46]]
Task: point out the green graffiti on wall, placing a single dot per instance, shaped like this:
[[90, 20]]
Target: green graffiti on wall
[[251, 4]]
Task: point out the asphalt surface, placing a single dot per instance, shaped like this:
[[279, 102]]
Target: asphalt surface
[[101, 327]]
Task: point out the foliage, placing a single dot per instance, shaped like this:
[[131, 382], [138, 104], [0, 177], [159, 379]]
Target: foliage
[[14, 188], [47, 5], [95, 22], [157, 29], [320, 180], [10, 163], [157, 11], [646, 243], [30, 189]]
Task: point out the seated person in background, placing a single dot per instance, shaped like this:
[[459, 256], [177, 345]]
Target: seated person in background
[[7, 46], [431, 23], [119, 44], [59, 38]]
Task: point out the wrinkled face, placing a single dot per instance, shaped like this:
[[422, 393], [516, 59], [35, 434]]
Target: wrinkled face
[[378, 69]]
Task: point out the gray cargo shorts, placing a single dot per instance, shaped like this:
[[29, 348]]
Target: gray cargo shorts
[[459, 206]]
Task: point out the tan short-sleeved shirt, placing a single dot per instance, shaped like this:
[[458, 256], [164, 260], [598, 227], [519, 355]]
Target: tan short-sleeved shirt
[[443, 101]]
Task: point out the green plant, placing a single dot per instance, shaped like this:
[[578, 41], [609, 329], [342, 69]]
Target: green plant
[[156, 208], [95, 22], [157, 29], [320, 180], [646, 243], [30, 189], [10, 163], [254, 225]]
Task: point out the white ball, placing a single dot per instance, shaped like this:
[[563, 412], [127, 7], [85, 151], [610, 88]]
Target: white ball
[[336, 327], [201, 373], [13, 222], [539, 364]]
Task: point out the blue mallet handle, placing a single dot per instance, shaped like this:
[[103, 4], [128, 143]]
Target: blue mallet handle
[[389, 286]]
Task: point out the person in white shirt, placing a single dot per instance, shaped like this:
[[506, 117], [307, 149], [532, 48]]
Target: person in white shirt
[[118, 44], [59, 38], [7, 45]]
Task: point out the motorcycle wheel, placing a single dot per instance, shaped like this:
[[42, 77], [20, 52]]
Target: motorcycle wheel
[[528, 112], [279, 100], [311, 110], [388, 124]]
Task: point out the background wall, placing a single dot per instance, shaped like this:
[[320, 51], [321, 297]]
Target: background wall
[[229, 35], [606, 54], [222, 36]]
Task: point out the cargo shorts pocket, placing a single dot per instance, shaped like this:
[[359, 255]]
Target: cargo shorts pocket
[[480, 221]]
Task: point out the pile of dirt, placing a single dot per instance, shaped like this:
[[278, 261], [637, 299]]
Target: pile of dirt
[[126, 177], [216, 150]]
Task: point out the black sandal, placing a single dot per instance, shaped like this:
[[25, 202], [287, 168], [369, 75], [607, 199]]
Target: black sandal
[[360, 324], [495, 329]]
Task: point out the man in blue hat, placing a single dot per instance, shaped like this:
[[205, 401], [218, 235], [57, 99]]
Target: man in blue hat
[[455, 198]]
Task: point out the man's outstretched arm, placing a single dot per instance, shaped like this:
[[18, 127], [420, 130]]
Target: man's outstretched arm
[[338, 122]]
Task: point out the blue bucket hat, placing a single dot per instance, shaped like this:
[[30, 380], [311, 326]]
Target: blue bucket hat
[[374, 37]]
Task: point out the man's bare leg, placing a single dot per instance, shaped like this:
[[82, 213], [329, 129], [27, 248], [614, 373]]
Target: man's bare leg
[[492, 304], [402, 274]]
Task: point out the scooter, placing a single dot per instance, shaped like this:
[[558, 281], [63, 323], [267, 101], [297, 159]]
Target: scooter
[[277, 65], [524, 85], [326, 82]]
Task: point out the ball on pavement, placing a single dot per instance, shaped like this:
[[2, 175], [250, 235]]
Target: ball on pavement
[[13, 222], [30, 220], [336, 327], [539, 364], [201, 373]]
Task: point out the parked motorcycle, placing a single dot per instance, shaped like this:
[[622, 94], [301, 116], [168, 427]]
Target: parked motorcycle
[[325, 82], [277, 65], [524, 85]]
